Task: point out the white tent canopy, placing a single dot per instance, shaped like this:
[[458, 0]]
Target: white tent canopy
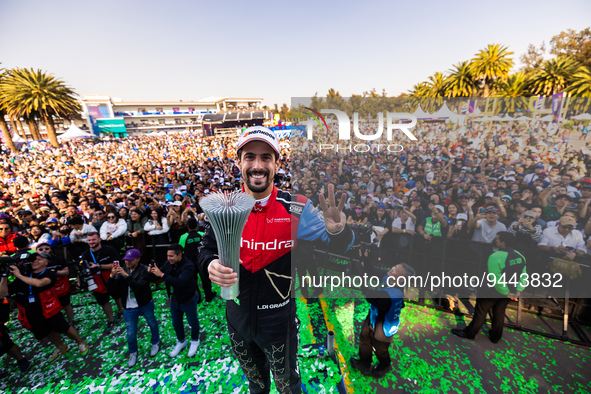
[[584, 116], [17, 139], [445, 112], [524, 118], [547, 118], [74, 132], [420, 114]]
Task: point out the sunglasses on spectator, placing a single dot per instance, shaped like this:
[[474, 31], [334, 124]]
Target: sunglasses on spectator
[[43, 249], [568, 227], [4, 228], [111, 217]]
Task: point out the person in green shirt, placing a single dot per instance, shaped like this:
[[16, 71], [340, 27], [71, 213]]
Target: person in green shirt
[[508, 268]]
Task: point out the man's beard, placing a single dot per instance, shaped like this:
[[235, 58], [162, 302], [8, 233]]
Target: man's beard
[[254, 188]]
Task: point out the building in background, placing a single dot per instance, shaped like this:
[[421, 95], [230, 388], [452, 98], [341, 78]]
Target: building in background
[[110, 116]]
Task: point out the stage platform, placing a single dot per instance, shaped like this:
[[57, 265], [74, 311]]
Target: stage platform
[[426, 357]]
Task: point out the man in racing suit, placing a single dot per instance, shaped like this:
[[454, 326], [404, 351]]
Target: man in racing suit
[[262, 322]]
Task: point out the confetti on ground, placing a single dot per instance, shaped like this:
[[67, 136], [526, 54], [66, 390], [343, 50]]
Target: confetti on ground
[[426, 357]]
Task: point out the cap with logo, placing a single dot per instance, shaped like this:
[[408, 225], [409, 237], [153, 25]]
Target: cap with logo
[[259, 133], [132, 254], [567, 221]]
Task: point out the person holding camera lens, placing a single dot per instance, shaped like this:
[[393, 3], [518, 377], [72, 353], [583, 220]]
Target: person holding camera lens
[[62, 283], [99, 259], [38, 305], [132, 281]]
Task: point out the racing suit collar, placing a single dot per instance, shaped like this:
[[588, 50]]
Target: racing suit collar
[[272, 197]]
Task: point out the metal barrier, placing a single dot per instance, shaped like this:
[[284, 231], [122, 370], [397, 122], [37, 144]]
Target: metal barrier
[[459, 257]]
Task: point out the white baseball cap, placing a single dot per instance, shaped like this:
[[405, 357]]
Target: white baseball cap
[[259, 133]]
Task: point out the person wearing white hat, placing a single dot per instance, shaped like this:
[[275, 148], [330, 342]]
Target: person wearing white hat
[[434, 225], [262, 322]]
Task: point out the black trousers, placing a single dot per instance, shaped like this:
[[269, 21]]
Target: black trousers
[[368, 343], [483, 306], [275, 350]]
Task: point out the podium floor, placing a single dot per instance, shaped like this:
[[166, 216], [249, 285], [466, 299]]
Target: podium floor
[[426, 357]]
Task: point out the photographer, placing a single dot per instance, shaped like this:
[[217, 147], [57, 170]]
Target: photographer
[[132, 281], [38, 305], [99, 259], [62, 283], [6, 344]]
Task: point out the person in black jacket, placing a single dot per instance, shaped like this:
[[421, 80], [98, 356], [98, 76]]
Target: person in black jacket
[[190, 243], [178, 274], [132, 281], [100, 258]]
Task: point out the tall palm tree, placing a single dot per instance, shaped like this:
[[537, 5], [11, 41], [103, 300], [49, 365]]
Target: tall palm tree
[[460, 82], [437, 84], [554, 76], [514, 90], [420, 94], [490, 64], [3, 125], [517, 85], [581, 83], [35, 93]]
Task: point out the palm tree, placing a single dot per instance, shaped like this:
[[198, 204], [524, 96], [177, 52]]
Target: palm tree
[[490, 64], [31, 94], [514, 90], [437, 84], [419, 95], [581, 83], [517, 85], [3, 125], [554, 76], [460, 82]]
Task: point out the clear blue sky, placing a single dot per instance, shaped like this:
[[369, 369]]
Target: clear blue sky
[[184, 50]]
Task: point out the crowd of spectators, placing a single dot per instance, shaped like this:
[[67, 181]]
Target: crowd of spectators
[[463, 182]]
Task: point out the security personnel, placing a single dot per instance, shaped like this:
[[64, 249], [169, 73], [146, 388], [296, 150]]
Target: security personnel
[[508, 267]]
